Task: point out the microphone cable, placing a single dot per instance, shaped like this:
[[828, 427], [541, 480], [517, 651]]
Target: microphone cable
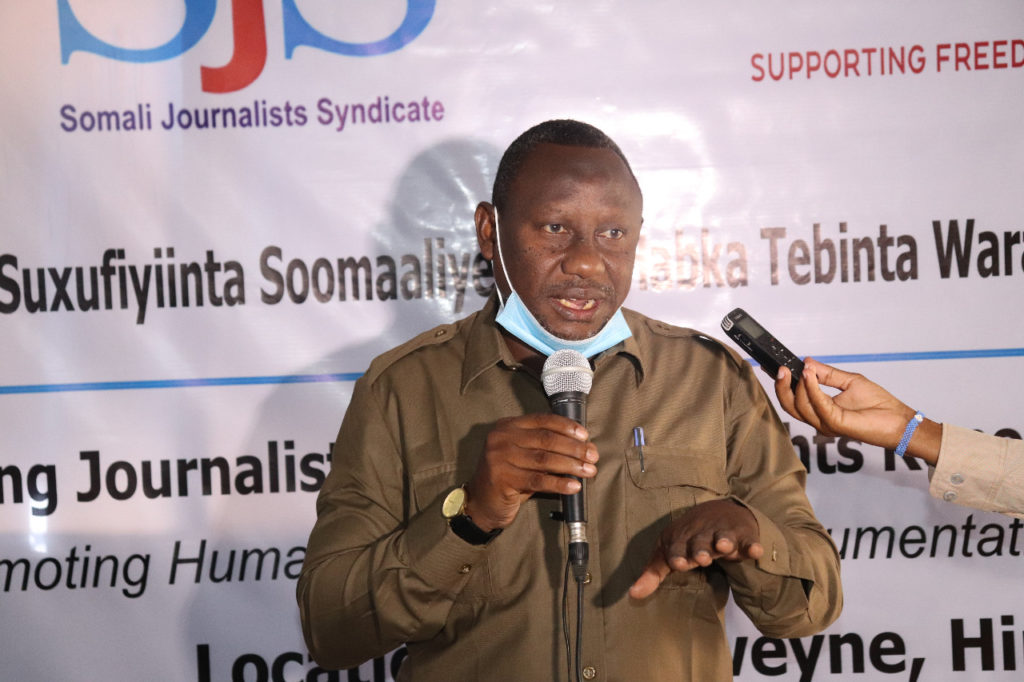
[[571, 661]]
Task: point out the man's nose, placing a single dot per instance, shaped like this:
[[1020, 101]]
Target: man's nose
[[582, 258]]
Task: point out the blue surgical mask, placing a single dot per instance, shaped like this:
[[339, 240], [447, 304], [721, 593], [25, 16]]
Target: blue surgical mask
[[517, 320]]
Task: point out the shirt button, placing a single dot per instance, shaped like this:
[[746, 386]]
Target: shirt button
[[949, 495], [589, 673], [466, 568], [439, 333], [956, 479]]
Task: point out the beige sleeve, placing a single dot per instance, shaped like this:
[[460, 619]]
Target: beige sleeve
[[980, 471]]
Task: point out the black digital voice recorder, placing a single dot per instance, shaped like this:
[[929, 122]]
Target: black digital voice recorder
[[762, 346]]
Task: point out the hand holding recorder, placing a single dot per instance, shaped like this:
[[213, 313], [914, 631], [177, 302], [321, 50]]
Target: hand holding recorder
[[862, 409]]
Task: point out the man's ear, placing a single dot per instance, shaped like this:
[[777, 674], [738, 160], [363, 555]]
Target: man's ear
[[485, 232]]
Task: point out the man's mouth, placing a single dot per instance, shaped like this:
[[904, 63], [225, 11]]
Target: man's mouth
[[578, 303]]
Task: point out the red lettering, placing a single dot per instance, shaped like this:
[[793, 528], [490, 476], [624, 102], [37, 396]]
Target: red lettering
[[851, 61], [917, 60], [796, 63], [834, 56], [940, 55], [869, 54], [813, 62], [250, 54], [962, 54], [755, 60], [980, 54], [999, 54]]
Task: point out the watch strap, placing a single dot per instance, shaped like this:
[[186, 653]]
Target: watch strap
[[463, 526]]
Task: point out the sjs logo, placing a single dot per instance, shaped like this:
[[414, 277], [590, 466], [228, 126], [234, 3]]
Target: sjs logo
[[250, 34]]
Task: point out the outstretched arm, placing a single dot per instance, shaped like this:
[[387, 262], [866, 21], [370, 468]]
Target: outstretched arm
[[862, 409]]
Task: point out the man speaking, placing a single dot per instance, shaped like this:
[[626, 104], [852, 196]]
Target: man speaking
[[440, 523]]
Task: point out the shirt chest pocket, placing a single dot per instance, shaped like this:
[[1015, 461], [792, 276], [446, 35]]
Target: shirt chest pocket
[[662, 483]]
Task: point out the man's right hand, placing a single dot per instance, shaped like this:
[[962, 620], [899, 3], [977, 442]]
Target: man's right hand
[[526, 455]]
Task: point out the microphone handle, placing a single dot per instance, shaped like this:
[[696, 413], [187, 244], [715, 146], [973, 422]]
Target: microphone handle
[[572, 404]]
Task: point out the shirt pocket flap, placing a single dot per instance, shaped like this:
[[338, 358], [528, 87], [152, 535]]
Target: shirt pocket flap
[[429, 484], [668, 467]]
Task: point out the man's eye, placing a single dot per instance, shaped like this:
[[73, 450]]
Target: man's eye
[[614, 233], [554, 228]]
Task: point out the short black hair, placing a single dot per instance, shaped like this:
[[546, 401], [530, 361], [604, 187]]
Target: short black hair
[[562, 131]]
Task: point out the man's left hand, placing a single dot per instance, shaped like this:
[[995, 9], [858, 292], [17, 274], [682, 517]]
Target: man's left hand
[[719, 530]]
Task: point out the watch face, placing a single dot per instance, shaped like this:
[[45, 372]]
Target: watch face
[[454, 503]]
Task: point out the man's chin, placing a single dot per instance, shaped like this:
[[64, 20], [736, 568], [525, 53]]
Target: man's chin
[[575, 332]]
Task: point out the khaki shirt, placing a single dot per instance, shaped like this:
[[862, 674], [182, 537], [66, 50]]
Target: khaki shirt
[[383, 568]]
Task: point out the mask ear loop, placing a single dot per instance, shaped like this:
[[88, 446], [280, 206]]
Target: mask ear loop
[[501, 259]]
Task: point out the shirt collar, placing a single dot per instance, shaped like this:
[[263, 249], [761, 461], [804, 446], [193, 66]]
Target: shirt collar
[[486, 347]]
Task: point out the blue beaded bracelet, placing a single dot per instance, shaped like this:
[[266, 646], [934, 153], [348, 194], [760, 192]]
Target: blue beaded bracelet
[[908, 432]]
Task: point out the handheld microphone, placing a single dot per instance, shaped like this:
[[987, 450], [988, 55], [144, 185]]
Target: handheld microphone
[[567, 379]]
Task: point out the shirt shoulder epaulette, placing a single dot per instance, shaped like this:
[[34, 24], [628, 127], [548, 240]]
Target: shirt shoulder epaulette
[[671, 331], [667, 330], [718, 346], [432, 337]]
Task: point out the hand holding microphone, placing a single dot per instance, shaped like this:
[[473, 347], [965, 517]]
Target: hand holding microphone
[[533, 453]]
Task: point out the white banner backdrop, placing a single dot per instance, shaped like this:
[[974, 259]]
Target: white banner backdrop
[[214, 218]]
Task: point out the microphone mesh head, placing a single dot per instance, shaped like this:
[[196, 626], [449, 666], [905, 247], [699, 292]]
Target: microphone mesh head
[[567, 370]]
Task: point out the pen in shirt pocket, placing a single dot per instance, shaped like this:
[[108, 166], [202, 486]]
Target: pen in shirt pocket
[[639, 440]]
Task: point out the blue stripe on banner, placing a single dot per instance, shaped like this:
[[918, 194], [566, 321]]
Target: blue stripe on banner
[[922, 355], [352, 376], [180, 383]]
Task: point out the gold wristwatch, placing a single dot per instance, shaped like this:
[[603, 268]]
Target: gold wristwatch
[[453, 508]]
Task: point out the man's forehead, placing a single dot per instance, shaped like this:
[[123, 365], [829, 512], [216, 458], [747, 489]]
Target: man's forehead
[[570, 156], [553, 171]]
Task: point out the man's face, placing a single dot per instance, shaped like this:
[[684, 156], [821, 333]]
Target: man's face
[[568, 237]]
